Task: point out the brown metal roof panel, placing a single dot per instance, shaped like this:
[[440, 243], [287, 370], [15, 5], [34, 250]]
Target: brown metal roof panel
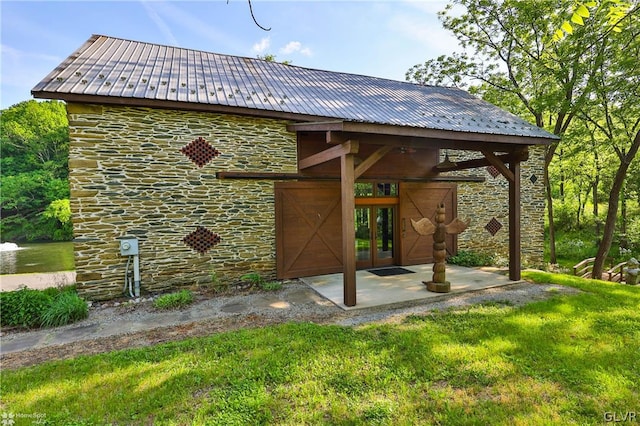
[[111, 67], [290, 85], [77, 70], [243, 84]]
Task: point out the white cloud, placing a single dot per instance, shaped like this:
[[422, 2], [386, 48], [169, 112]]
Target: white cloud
[[160, 23], [291, 47], [295, 46], [427, 31], [261, 46], [176, 15]]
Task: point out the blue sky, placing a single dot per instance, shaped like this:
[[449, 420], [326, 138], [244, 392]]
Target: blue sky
[[376, 38]]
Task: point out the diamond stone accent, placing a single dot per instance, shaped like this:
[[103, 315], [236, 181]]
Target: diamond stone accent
[[200, 151], [493, 171], [202, 240], [533, 178], [493, 226]]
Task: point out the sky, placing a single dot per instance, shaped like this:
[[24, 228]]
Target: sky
[[374, 38]]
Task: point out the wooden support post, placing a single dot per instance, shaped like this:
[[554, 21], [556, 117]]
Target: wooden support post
[[514, 222], [347, 183]]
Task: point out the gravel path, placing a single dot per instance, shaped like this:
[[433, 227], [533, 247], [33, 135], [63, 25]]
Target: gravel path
[[114, 326]]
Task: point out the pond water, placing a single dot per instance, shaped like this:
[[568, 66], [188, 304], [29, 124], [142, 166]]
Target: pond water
[[36, 257]]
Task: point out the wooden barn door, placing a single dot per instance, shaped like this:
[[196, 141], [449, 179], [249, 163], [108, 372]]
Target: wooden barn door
[[308, 229], [418, 200]]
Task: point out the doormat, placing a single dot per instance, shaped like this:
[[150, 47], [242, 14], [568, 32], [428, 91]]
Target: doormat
[[385, 272]]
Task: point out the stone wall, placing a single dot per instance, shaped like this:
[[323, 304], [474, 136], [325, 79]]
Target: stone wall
[[129, 177], [483, 202]]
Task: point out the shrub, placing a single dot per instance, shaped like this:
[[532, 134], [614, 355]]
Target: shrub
[[23, 307], [254, 278], [633, 233], [67, 307], [176, 300], [576, 246], [470, 258]]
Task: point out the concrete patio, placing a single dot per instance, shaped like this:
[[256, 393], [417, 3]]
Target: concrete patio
[[373, 290]]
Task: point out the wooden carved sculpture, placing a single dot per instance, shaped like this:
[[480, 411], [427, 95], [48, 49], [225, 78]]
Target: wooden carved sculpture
[[424, 226]]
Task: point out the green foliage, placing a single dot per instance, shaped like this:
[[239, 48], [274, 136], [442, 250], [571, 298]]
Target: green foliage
[[517, 57], [34, 147], [633, 233], [216, 284], [35, 131], [617, 11], [571, 356], [175, 300], [471, 258], [51, 307], [23, 307], [58, 215], [257, 280], [270, 57], [271, 285], [67, 307], [254, 278]]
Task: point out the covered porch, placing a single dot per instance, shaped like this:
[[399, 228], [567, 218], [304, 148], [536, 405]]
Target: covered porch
[[339, 142], [373, 290]]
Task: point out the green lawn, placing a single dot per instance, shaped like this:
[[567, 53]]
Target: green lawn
[[567, 360]]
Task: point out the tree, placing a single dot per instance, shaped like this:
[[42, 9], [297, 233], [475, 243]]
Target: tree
[[509, 49], [270, 57], [614, 111], [618, 10], [34, 169]]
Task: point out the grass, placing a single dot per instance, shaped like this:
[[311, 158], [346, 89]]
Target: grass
[[566, 360], [177, 300]]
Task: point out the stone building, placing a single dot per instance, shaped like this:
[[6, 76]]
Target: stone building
[[217, 166]]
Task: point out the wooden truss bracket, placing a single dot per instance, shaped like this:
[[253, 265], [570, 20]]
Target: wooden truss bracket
[[348, 147]]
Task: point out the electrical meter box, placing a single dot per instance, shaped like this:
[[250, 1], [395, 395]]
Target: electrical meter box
[[129, 246]]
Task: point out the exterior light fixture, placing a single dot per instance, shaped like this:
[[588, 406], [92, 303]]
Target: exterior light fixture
[[446, 164]]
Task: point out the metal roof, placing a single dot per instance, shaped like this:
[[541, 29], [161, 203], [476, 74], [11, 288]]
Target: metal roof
[[131, 72]]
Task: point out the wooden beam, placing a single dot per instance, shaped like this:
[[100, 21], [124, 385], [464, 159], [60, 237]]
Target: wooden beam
[[316, 126], [346, 148], [335, 138], [421, 132], [258, 175], [347, 183], [499, 164], [371, 160], [515, 265], [423, 143], [521, 155], [299, 176]]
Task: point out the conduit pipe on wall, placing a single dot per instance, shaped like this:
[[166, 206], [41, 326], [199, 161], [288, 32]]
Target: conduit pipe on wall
[[129, 248]]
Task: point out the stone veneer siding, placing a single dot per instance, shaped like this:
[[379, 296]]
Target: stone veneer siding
[[481, 202], [128, 177]]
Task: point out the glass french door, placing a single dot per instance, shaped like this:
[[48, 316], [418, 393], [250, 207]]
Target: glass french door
[[375, 231]]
